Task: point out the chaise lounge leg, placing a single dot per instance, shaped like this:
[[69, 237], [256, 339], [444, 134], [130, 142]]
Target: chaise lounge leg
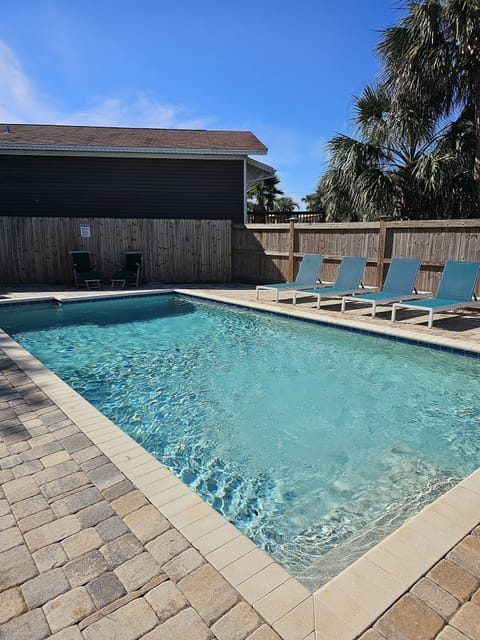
[[343, 305], [374, 309], [430, 319], [394, 313]]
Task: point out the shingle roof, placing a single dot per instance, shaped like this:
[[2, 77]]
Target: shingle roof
[[128, 139]]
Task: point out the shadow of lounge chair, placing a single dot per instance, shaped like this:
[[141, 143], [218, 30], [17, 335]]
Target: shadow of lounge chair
[[347, 281], [84, 273], [455, 291], [399, 285], [131, 274], [307, 276]]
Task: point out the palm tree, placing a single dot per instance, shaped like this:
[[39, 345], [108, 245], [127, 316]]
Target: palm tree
[[285, 204], [263, 195], [402, 164], [433, 54]]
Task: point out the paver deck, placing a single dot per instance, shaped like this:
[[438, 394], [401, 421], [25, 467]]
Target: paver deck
[[99, 541]]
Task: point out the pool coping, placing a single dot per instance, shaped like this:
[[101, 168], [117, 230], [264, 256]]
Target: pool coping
[[347, 605]]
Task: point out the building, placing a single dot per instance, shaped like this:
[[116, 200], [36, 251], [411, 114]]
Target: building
[[118, 172]]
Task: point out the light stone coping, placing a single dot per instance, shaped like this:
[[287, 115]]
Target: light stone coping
[[351, 602], [387, 328]]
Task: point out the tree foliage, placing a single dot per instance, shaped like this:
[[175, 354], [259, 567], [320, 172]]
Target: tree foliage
[[263, 196], [433, 54], [415, 152]]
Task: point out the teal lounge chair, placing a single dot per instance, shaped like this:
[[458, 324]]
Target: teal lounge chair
[[84, 273], [347, 281], [399, 285], [131, 273], [306, 277], [455, 291]]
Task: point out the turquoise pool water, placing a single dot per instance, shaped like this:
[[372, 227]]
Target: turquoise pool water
[[315, 442]]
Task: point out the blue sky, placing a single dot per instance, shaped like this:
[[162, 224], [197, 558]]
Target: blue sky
[[288, 71]]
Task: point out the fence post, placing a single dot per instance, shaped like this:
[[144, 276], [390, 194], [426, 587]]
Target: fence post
[[382, 242], [291, 251]]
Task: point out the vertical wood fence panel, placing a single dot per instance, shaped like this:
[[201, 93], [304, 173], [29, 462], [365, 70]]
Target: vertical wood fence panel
[[260, 253], [35, 250]]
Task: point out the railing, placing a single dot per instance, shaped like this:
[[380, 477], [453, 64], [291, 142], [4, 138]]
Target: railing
[[279, 217]]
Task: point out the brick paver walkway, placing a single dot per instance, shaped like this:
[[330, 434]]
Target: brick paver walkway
[[83, 554]]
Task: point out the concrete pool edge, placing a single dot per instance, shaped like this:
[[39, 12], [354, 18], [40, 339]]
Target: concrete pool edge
[[346, 606], [279, 598], [386, 330]]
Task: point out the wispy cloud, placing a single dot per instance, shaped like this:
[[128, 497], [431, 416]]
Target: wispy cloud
[[137, 109], [21, 101]]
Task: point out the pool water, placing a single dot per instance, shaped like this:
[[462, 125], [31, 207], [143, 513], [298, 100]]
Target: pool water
[[314, 442]]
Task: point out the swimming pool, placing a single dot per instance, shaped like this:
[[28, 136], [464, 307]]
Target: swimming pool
[[314, 442]]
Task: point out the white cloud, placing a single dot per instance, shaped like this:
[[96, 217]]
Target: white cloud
[[21, 102], [138, 109]]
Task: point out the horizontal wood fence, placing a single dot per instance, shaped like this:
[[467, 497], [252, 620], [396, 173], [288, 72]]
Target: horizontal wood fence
[[271, 253], [35, 250]]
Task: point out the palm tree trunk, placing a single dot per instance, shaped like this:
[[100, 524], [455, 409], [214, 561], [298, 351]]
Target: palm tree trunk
[[476, 166]]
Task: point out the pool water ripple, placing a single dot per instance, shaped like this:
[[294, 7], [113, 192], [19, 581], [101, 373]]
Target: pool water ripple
[[315, 442]]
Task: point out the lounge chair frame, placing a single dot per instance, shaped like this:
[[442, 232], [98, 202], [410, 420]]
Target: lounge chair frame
[[131, 274], [451, 278], [89, 278], [388, 295], [351, 269], [311, 263]]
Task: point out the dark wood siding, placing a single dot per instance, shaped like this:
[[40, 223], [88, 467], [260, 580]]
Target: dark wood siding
[[121, 187]]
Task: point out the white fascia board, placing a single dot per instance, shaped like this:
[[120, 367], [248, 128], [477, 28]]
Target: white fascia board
[[89, 150]]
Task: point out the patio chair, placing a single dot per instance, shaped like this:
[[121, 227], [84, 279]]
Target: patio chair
[[84, 273], [455, 291], [307, 276], [130, 274], [399, 285], [347, 281]]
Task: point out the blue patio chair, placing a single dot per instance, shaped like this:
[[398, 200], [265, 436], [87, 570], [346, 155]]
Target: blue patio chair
[[399, 285], [307, 276], [347, 281], [455, 291]]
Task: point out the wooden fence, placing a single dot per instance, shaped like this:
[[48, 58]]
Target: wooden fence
[[271, 253], [35, 250]]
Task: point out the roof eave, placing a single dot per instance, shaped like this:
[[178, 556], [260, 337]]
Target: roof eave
[[128, 150]]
